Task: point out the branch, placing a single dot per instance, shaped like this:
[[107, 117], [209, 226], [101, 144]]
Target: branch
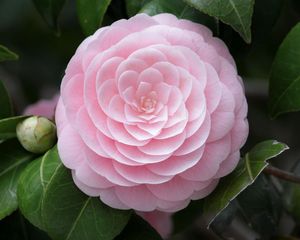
[[282, 174]]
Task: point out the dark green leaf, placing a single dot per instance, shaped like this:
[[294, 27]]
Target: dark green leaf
[[6, 108], [138, 229], [223, 220], [236, 13], [13, 160], [91, 13], [34, 180], [244, 175], [261, 207], [285, 75], [8, 127], [50, 200], [179, 9], [6, 54], [134, 6], [50, 10]]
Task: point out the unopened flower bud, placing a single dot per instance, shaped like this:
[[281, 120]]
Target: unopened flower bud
[[36, 134]]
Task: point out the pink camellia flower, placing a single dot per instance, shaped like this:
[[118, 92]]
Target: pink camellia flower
[[44, 107], [152, 113]]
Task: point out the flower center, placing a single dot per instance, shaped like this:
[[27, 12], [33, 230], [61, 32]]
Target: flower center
[[148, 103]]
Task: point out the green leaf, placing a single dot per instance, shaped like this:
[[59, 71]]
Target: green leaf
[[285, 75], [91, 13], [179, 9], [13, 160], [236, 13], [138, 229], [50, 10], [134, 6], [261, 207], [33, 184], [6, 54], [6, 107], [244, 175], [50, 200], [8, 127]]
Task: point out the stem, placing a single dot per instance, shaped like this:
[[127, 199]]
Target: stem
[[282, 174]]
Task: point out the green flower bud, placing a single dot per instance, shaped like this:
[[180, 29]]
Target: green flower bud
[[36, 134]]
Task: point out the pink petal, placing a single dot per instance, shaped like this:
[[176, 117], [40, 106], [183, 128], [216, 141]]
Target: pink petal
[[70, 152], [169, 72], [121, 135], [127, 79], [175, 100], [150, 75], [208, 166], [109, 197], [108, 70], [86, 175], [177, 164], [93, 192], [228, 164], [104, 167], [195, 141], [87, 131], [163, 146], [72, 96], [213, 90], [196, 101], [135, 154], [140, 174], [109, 146], [130, 64], [137, 197], [177, 189], [116, 109], [105, 93], [206, 191], [60, 117], [149, 55]]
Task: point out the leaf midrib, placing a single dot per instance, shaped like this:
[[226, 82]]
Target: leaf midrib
[[239, 16], [78, 217]]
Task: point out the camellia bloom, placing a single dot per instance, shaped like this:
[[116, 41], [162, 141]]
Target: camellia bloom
[[152, 113]]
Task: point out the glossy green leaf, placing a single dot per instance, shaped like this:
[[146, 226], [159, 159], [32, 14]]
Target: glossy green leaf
[[6, 107], [244, 175], [13, 160], [50, 200], [91, 13], [50, 10], [8, 127], [138, 229], [261, 206], [285, 75], [33, 184], [6, 54], [134, 6], [179, 9], [236, 13]]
